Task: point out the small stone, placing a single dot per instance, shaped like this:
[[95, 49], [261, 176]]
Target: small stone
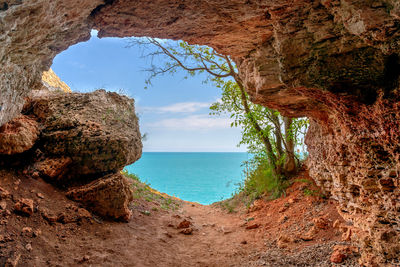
[[244, 242], [84, 213], [337, 257], [283, 219], [28, 247], [186, 231], [51, 218], [252, 226], [283, 241], [4, 194], [24, 206], [3, 205], [26, 230], [85, 258], [321, 223], [283, 209], [346, 236], [35, 175], [184, 224], [226, 230], [39, 195], [336, 224], [307, 237], [37, 232]]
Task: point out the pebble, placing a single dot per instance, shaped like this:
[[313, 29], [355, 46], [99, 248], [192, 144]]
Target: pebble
[[186, 231], [28, 247]]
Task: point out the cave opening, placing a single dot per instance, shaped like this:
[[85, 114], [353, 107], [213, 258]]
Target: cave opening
[[187, 152], [281, 49]]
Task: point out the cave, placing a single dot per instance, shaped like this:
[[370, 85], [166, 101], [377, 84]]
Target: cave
[[336, 62]]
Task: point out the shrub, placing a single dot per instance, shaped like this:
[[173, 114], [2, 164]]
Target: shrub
[[260, 181]]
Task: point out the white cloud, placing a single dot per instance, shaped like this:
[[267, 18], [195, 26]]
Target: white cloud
[[193, 122], [183, 107]]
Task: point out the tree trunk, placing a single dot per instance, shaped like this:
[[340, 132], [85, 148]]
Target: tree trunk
[[290, 162], [268, 146]]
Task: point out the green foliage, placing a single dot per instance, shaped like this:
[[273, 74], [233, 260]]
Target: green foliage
[[228, 206], [261, 181], [130, 175], [310, 192], [143, 191]]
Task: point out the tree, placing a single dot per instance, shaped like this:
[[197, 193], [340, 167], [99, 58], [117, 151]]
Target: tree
[[267, 134]]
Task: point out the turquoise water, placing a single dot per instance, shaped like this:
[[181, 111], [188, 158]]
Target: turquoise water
[[197, 177]]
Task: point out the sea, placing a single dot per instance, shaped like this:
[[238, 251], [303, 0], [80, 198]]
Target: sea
[[203, 177]]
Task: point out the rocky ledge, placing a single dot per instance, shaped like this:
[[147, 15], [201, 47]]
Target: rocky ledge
[[78, 142]]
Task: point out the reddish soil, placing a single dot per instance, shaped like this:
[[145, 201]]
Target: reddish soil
[[272, 234]]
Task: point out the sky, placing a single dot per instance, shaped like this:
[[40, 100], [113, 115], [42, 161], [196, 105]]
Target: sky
[[173, 111]]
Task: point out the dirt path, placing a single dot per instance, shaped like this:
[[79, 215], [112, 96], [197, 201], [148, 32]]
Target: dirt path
[[269, 235]]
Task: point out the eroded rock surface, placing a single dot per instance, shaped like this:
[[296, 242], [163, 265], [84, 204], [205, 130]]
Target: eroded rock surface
[[329, 60], [98, 131], [18, 135], [73, 139], [354, 157], [108, 196]]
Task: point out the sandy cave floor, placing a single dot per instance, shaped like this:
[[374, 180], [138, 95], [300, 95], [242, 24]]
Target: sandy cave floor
[[270, 233]]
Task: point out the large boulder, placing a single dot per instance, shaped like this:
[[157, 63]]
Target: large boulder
[[108, 196], [98, 131]]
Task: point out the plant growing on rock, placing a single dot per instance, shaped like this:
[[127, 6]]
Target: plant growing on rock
[[269, 136]]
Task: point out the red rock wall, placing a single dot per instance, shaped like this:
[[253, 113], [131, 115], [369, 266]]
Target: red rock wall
[[354, 157]]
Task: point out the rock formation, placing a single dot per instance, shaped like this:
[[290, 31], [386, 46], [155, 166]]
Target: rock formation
[[335, 61], [85, 141], [52, 82], [98, 131], [18, 135]]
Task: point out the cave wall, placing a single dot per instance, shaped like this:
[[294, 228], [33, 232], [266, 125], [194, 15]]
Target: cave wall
[[335, 61], [354, 157]]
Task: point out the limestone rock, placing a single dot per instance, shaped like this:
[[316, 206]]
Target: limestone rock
[[18, 135], [108, 196], [283, 241], [337, 257], [363, 142], [186, 231], [184, 224], [53, 83], [24, 206], [53, 167], [98, 131], [32, 33], [341, 252]]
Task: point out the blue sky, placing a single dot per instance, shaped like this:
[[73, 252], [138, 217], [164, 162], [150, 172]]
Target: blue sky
[[174, 111]]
